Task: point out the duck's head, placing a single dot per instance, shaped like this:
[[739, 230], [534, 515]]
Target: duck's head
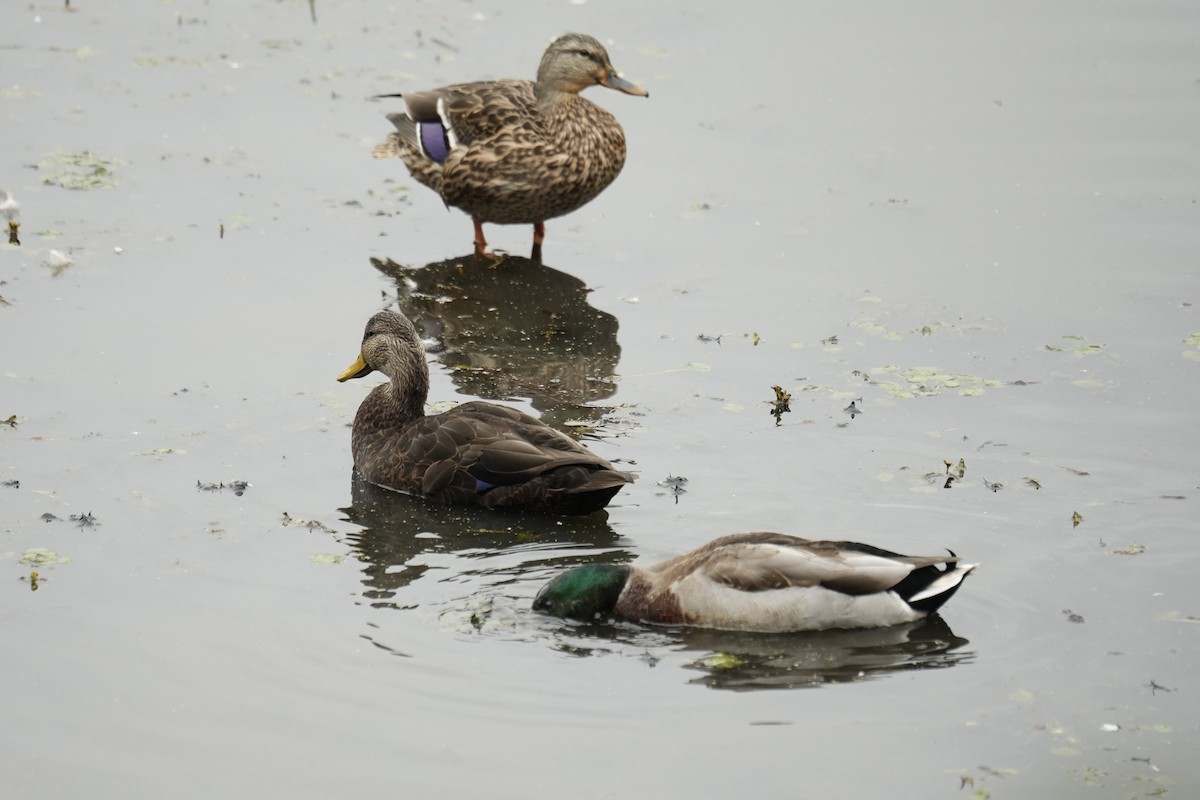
[[585, 592], [575, 61], [390, 344]]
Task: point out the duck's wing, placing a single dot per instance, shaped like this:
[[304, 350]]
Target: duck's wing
[[757, 562], [473, 111], [480, 446]]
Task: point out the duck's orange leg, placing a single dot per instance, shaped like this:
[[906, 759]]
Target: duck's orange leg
[[480, 242], [539, 235]]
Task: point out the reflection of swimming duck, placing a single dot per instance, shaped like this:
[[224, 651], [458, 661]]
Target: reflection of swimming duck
[[511, 151], [477, 453], [763, 582]]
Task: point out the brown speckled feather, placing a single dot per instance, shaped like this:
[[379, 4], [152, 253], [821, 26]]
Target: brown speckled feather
[[477, 453], [518, 151]]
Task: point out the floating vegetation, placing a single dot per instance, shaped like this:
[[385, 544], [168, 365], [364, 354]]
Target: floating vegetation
[[327, 558], [995, 487], [866, 323], [12, 484], [960, 468], [929, 381], [1072, 616], [481, 613], [237, 487], [11, 210], [1133, 549], [1075, 519], [85, 520], [720, 661], [159, 452], [1033, 483], [313, 525], [781, 404], [1076, 345], [48, 517], [150, 62], [674, 484], [1192, 341], [58, 262], [703, 337], [1074, 471], [10, 422], [41, 557], [83, 171]]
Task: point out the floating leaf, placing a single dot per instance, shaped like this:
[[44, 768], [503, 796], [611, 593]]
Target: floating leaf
[[81, 171], [41, 557], [1075, 519], [721, 661]]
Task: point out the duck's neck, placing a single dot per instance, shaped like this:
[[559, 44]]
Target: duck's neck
[[405, 401], [552, 100], [400, 401]]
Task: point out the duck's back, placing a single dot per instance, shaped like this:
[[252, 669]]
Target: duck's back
[[485, 454], [510, 161]]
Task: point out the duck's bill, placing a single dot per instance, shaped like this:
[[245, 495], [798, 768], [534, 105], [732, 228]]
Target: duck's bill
[[356, 370], [622, 85]]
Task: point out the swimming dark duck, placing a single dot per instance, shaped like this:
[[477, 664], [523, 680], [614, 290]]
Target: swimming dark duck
[[514, 151], [478, 453], [767, 582]]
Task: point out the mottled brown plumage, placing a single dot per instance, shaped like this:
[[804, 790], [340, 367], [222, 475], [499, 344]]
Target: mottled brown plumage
[[514, 151], [478, 453]]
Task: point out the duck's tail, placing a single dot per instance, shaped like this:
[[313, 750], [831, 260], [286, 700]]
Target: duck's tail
[[926, 589]]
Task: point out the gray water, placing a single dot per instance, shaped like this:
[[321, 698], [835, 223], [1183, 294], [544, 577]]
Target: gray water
[[979, 223]]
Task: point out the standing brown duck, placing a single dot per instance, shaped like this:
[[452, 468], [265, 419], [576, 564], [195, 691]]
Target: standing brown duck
[[516, 152], [476, 454]]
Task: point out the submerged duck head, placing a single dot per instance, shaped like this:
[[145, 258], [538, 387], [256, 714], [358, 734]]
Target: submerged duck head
[[584, 592], [576, 61]]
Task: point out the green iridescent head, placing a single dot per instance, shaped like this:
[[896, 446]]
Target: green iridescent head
[[584, 592]]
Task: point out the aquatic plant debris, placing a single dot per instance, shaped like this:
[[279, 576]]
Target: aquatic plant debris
[[720, 661], [42, 557], [313, 525], [1076, 345], [81, 171], [675, 484], [237, 487], [1075, 519], [928, 381], [781, 404]]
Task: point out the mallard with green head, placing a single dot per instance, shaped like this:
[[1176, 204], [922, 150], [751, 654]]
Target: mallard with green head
[[512, 151], [477, 453], [768, 582]]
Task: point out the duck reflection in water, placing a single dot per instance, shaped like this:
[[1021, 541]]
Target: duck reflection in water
[[398, 529], [749, 661], [516, 330]]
